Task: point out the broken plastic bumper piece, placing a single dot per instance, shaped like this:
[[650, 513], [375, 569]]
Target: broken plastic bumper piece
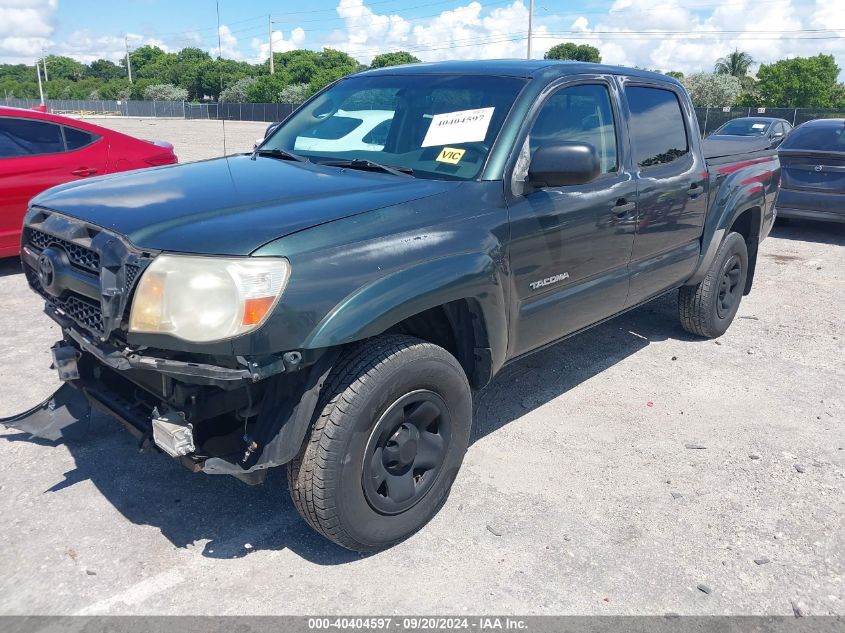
[[49, 419]]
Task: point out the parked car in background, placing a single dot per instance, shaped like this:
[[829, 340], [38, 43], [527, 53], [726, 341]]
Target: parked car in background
[[813, 176], [40, 150], [751, 133]]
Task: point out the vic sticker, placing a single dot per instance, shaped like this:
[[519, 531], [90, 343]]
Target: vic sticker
[[450, 155], [463, 126]]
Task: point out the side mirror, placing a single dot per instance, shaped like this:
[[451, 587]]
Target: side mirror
[[564, 163]]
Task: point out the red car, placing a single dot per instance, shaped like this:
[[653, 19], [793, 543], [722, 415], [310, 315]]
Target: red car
[[40, 150]]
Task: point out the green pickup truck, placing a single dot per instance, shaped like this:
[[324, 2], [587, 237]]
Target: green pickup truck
[[330, 300]]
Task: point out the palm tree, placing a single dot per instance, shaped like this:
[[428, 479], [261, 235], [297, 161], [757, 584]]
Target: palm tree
[[737, 64]]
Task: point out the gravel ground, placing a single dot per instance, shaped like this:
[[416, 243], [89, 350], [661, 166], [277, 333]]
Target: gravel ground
[[620, 472]]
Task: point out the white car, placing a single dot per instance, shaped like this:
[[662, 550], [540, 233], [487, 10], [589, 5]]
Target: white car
[[347, 131]]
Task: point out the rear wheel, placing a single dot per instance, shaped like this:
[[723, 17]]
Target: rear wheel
[[393, 427], [708, 308]]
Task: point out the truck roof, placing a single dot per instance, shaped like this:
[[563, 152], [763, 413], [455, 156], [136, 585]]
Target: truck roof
[[514, 68]]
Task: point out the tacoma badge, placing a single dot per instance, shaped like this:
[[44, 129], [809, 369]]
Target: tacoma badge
[[548, 281]]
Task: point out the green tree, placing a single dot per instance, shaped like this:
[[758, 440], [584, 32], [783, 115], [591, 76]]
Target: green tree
[[141, 57], [165, 92], [393, 59], [676, 74], [238, 91], [712, 89], [577, 52], [294, 93], [61, 67], [105, 70], [737, 64], [800, 82]]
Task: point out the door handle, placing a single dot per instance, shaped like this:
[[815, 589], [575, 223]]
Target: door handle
[[695, 190], [623, 208], [84, 171]]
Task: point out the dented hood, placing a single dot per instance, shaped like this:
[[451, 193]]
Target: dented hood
[[232, 205]]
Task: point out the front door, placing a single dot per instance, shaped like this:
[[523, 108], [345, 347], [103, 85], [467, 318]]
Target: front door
[[570, 245]]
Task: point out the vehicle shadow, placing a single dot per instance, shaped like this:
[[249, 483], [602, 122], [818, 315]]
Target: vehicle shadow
[[10, 266], [809, 231], [533, 381], [224, 518]]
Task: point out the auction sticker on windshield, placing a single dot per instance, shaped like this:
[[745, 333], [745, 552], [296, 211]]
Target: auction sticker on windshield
[[463, 126]]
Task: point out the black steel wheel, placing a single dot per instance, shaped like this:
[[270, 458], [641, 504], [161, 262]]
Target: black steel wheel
[[392, 429], [729, 291], [406, 450], [709, 307]]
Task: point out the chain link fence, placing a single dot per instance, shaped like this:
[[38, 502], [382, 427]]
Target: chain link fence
[[709, 119], [267, 112]]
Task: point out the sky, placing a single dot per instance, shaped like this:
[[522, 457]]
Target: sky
[[682, 35]]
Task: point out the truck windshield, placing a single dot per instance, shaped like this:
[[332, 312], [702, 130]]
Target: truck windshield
[[434, 126]]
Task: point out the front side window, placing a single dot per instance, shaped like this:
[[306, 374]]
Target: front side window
[[579, 114], [438, 126], [27, 137], [658, 133]]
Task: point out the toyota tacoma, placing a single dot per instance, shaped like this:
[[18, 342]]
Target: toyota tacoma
[[332, 307]]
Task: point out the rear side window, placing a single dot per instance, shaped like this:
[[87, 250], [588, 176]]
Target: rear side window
[[77, 139], [823, 138], [658, 133], [26, 137]]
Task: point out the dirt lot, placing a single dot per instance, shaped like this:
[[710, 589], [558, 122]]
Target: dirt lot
[[580, 493]]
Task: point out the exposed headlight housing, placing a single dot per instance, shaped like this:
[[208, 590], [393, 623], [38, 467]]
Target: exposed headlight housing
[[205, 299]]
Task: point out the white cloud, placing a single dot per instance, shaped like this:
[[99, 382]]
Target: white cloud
[[25, 26], [228, 46], [700, 36], [261, 49], [87, 47]]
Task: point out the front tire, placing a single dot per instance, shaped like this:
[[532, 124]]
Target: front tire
[[393, 428], [708, 308]]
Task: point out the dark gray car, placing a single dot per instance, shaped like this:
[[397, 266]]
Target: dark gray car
[[747, 134], [813, 172]]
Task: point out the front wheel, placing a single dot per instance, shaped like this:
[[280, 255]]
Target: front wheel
[[708, 308], [393, 427]]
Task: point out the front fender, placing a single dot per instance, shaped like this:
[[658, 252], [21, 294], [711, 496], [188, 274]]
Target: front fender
[[386, 301]]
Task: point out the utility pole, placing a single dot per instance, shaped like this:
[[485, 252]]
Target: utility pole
[[270, 39], [128, 63], [530, 25], [40, 89], [44, 62]]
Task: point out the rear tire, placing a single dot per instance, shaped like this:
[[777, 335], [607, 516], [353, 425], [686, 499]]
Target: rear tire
[[708, 308], [393, 427]]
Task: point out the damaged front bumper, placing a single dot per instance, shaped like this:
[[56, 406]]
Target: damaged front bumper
[[212, 418]]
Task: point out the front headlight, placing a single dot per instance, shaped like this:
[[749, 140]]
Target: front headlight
[[203, 299]]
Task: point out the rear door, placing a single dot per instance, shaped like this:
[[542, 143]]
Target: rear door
[[570, 245], [34, 156], [672, 183]]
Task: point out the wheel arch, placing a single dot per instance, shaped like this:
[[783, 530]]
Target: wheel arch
[[738, 205]]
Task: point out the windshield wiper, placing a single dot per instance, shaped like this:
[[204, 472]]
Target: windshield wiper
[[279, 153], [368, 165]]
